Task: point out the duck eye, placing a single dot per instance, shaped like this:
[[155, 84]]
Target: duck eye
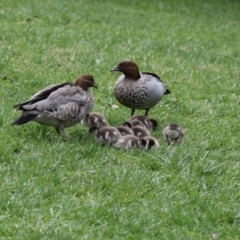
[[90, 79], [125, 64]]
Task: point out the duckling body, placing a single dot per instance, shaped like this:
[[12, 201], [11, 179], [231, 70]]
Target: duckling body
[[127, 142], [124, 130], [133, 123], [173, 133], [60, 106], [140, 131], [137, 90], [106, 135], [95, 119]]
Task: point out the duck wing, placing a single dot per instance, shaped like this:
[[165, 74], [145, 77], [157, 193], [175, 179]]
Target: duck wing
[[156, 76], [41, 95], [153, 74], [62, 101]]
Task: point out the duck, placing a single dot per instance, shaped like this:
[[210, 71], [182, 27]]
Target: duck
[[138, 90], [60, 106], [125, 130], [173, 133], [150, 142], [129, 141], [94, 119], [151, 124], [106, 135]]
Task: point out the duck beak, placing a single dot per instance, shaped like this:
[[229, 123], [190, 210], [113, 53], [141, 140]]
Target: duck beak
[[115, 69], [95, 85]]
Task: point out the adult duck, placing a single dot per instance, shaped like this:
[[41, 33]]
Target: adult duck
[[60, 106], [138, 90]]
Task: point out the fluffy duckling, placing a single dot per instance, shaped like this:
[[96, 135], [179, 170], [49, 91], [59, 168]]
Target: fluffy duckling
[[106, 135], [129, 141], [150, 124], [125, 130], [150, 142], [137, 127], [140, 131], [133, 123], [173, 133], [60, 106], [137, 90], [94, 119]]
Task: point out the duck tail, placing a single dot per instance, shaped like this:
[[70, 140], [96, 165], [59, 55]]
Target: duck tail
[[25, 118], [167, 91]]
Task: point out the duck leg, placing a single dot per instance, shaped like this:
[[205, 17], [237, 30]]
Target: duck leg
[[61, 131], [146, 113], [64, 135], [168, 141], [57, 130], [133, 110]]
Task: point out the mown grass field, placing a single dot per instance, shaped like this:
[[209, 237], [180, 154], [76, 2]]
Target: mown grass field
[[77, 189]]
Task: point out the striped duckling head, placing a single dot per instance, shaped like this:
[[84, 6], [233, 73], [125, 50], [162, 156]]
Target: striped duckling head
[[95, 119], [149, 142], [106, 135]]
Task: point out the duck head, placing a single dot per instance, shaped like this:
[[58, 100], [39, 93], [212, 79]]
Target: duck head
[[129, 69], [85, 82]]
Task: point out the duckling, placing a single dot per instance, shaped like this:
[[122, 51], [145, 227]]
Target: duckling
[[133, 123], [125, 130], [137, 90], [137, 127], [150, 142], [106, 135], [129, 141], [60, 106], [173, 133], [140, 131], [150, 124], [94, 119]]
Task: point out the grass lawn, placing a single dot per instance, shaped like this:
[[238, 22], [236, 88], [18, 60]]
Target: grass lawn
[[77, 189]]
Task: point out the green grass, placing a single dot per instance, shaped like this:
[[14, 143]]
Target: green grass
[[51, 189]]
